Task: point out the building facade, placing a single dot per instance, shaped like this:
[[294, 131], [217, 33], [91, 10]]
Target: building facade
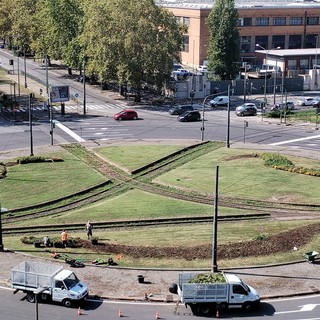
[[282, 24]]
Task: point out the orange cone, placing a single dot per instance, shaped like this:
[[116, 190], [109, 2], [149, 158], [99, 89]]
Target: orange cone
[[119, 314], [217, 314], [157, 316], [79, 312]]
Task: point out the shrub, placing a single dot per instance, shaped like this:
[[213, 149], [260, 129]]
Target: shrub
[[3, 170], [273, 159], [30, 159], [261, 236]]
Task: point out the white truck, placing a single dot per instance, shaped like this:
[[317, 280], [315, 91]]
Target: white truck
[[47, 282], [226, 291]]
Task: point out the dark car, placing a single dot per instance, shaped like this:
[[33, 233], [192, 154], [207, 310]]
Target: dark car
[[126, 114], [247, 109], [177, 110], [190, 116]]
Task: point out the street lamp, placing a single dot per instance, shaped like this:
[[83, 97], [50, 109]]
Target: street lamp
[[265, 75]]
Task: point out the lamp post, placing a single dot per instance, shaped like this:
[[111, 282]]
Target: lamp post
[[265, 75]]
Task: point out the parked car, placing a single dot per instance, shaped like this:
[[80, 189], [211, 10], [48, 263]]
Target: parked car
[[219, 101], [126, 114], [182, 72], [305, 102], [180, 109], [316, 102], [247, 109], [202, 69], [283, 106], [190, 116]]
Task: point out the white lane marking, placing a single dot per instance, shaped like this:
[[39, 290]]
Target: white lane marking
[[294, 140], [68, 131]]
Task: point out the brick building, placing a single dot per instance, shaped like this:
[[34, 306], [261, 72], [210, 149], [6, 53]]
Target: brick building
[[288, 25]]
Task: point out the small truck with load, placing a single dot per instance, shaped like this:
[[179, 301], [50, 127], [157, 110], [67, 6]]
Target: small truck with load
[[205, 293], [48, 282]]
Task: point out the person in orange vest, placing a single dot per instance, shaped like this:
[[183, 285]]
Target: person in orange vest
[[64, 237]]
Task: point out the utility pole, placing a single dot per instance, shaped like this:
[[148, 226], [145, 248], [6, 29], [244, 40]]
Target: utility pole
[[215, 224], [30, 123]]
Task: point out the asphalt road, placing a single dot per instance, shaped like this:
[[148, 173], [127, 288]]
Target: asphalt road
[[13, 307]]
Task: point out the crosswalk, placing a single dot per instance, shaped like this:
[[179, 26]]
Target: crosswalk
[[90, 108]]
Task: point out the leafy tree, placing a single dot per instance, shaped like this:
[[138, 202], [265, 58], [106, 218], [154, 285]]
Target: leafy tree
[[130, 40], [58, 23], [224, 43], [6, 7], [22, 23]]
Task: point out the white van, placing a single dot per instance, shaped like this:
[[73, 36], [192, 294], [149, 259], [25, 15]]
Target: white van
[[219, 101]]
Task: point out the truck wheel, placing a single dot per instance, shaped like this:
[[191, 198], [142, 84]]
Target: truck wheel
[[31, 297], [205, 309], [67, 303]]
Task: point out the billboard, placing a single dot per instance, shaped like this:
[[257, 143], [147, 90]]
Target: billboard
[[59, 93]]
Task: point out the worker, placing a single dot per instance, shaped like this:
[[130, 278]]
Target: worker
[[64, 237], [88, 227]]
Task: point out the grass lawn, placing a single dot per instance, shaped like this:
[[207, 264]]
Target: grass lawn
[[246, 177], [133, 205], [34, 183], [133, 157]]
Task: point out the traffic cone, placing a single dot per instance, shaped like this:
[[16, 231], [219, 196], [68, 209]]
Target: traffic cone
[[79, 311], [217, 314], [119, 313], [157, 316]]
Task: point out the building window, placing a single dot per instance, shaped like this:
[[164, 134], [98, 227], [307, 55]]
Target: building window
[[313, 20], [186, 21], [262, 21], [310, 41], [295, 41], [292, 64], [183, 20], [296, 21], [185, 44], [261, 41], [245, 44], [245, 22], [278, 41], [304, 63], [279, 21]]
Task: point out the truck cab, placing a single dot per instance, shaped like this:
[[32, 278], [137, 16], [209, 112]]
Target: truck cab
[[68, 287]]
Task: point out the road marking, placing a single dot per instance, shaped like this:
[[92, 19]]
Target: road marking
[[68, 131], [294, 140], [306, 307]]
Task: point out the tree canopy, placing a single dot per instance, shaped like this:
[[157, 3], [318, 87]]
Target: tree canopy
[[224, 43], [123, 40]]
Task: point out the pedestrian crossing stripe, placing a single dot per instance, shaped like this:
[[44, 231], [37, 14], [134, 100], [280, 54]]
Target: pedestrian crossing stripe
[[76, 107]]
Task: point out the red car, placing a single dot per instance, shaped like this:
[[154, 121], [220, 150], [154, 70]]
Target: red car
[[126, 114]]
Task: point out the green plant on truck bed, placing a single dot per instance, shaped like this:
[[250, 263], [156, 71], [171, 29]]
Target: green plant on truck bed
[[216, 277]]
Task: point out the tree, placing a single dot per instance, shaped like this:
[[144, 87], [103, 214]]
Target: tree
[[130, 40], [57, 25], [22, 23], [224, 43]]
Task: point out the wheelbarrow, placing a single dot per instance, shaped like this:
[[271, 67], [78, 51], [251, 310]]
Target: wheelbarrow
[[310, 256]]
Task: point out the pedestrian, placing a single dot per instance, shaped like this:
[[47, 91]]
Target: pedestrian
[[88, 227], [46, 241], [64, 237]]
